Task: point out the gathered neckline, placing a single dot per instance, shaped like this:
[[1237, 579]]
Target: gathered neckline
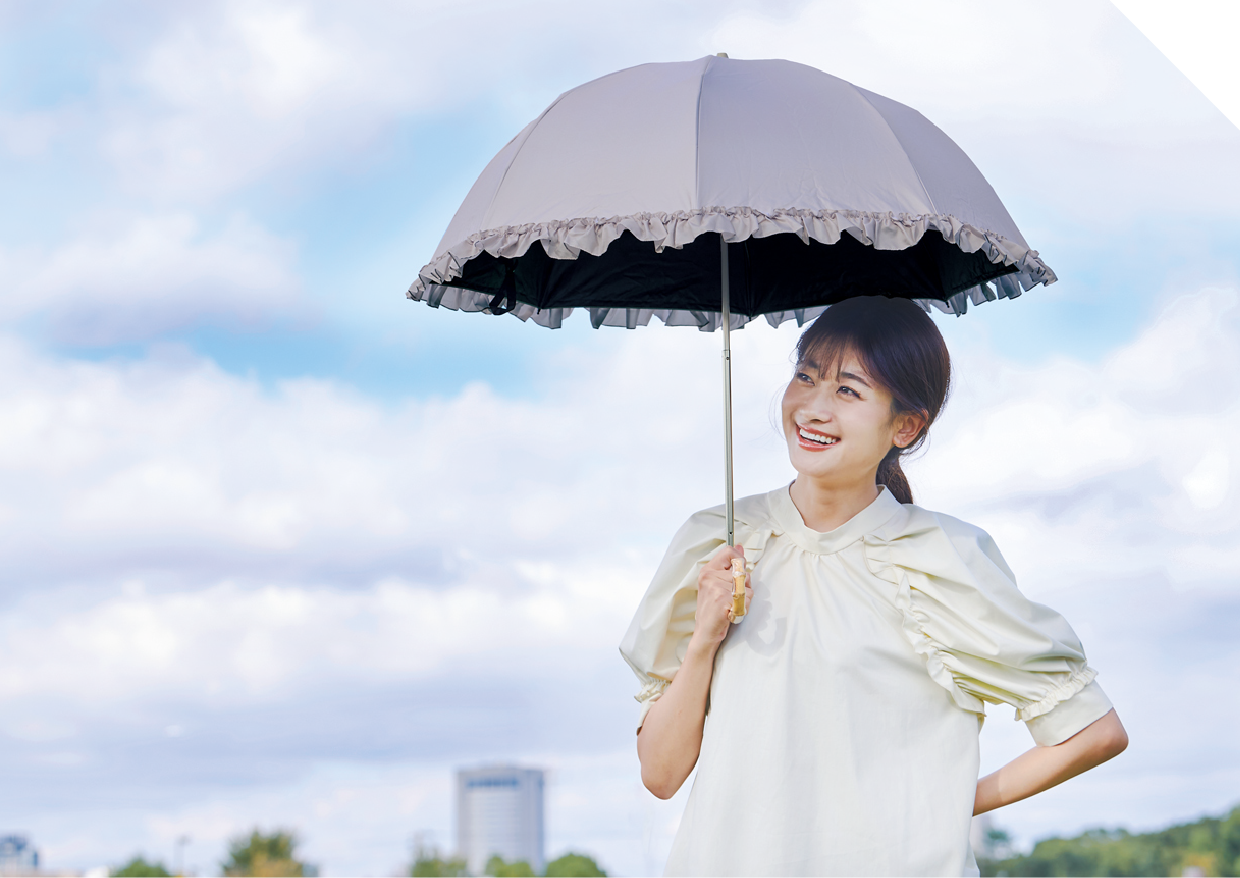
[[869, 519]]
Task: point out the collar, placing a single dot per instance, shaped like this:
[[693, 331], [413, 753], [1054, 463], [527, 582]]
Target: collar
[[815, 542]]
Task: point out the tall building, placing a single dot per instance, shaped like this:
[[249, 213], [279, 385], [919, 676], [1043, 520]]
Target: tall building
[[17, 856], [499, 810]]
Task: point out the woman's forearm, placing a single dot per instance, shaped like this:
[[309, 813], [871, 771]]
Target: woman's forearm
[[1044, 767], [671, 737]]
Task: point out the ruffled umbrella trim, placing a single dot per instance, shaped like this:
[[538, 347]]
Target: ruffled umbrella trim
[[567, 239]]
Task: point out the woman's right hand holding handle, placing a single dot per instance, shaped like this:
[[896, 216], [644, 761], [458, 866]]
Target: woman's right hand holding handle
[[714, 598]]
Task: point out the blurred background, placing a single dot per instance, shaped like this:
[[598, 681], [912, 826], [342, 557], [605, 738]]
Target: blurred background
[[281, 551]]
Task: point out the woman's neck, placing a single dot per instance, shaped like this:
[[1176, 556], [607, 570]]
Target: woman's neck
[[825, 507]]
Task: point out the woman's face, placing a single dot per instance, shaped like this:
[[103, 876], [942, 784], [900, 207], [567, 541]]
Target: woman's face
[[839, 426]]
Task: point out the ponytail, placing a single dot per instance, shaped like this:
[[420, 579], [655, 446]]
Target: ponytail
[[892, 475]]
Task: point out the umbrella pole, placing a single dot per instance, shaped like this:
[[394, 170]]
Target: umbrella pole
[[725, 295]]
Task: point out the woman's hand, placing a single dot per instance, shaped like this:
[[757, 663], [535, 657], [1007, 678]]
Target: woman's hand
[[669, 742], [714, 598]]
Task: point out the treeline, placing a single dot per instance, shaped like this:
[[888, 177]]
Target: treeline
[[257, 855], [429, 863], [267, 855], [1208, 847]]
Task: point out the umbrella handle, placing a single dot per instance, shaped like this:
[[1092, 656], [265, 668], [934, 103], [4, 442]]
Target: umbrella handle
[[738, 590]]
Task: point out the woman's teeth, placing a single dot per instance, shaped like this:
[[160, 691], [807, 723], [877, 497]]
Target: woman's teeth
[[818, 437]]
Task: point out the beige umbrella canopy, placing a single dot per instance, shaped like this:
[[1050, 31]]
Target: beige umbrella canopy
[[709, 192]]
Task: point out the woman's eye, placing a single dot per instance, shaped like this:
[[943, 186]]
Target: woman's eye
[[801, 376], [845, 389]]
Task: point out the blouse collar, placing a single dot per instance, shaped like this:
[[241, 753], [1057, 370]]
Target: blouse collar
[[866, 521]]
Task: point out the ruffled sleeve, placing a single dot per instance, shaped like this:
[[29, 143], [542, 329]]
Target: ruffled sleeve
[[981, 639], [658, 637]]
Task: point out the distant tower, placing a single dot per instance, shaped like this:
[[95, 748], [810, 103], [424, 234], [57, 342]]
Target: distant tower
[[17, 857], [499, 810]]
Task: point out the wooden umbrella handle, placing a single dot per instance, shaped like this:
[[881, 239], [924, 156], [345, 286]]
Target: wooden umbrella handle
[[738, 589]]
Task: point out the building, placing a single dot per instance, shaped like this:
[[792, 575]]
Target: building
[[18, 856], [499, 810]]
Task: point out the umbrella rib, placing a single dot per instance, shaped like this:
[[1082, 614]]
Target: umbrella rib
[[934, 208], [697, 137], [529, 130]]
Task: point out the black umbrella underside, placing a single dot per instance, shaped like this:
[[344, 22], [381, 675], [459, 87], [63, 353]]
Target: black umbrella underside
[[767, 275]]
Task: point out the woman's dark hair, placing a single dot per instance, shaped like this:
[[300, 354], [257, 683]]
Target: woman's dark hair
[[899, 347]]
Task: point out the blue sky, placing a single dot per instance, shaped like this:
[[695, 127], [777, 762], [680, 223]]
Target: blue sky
[[283, 548]]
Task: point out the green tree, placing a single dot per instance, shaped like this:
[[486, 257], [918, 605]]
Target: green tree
[[428, 863], [497, 867], [1211, 844], [264, 856], [138, 867], [573, 865]]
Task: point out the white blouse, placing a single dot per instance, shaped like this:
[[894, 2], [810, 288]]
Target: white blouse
[[844, 708]]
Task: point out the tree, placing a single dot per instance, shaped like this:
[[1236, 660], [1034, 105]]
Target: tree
[[500, 869], [573, 865], [264, 856], [138, 867], [428, 863], [1211, 845]]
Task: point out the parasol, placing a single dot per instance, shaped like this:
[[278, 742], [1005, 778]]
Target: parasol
[[710, 192]]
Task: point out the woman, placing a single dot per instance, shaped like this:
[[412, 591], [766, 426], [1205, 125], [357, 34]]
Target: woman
[[845, 705]]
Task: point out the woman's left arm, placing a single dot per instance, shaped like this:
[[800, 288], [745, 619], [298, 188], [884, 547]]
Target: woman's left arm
[[1044, 767]]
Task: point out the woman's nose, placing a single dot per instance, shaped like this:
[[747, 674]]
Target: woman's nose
[[816, 410]]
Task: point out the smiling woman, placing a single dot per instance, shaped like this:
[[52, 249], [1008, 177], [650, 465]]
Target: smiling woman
[[845, 705], [887, 357]]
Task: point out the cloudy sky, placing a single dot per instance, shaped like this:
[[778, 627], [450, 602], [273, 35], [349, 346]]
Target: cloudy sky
[[281, 548]]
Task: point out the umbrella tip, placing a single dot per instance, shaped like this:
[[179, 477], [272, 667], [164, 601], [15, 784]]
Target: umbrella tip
[[721, 54]]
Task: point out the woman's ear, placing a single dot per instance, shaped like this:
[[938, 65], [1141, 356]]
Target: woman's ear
[[908, 427]]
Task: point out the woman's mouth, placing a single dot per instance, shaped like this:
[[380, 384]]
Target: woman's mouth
[[814, 441]]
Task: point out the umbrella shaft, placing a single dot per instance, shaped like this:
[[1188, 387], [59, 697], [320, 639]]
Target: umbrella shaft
[[725, 297]]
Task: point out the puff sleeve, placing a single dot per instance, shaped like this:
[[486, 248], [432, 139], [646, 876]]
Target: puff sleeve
[[658, 637], [980, 637]]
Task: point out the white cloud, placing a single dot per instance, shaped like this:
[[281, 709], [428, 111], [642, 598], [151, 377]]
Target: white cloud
[[135, 277], [226, 644], [1131, 450], [222, 93], [233, 89], [1208, 482], [268, 56], [365, 819], [171, 449], [1090, 129], [186, 549], [171, 472], [229, 91]]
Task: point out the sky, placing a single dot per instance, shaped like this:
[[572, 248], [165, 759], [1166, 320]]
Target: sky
[[280, 548]]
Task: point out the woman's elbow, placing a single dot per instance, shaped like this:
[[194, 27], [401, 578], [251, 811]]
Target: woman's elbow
[[660, 783], [1111, 739], [1118, 740], [655, 777]]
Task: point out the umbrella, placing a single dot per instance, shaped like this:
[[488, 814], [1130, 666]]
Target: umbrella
[[710, 192]]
